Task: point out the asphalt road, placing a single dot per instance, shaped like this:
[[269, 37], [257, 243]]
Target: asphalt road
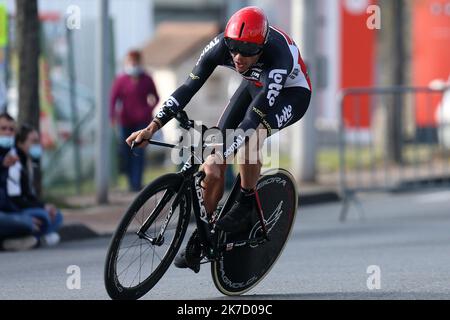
[[406, 237]]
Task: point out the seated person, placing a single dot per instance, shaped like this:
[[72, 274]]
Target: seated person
[[20, 189], [15, 229]]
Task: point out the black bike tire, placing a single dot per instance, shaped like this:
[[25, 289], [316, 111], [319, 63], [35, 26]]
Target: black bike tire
[[114, 289], [214, 264]]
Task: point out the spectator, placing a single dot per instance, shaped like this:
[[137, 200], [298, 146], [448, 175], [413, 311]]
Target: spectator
[[20, 187], [15, 228], [15, 231], [136, 92]]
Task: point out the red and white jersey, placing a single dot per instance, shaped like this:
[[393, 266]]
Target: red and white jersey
[[298, 77]]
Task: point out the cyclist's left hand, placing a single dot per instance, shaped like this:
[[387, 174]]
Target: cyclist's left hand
[[140, 136]]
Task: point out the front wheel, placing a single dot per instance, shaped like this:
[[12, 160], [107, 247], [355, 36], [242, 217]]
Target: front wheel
[[137, 260]]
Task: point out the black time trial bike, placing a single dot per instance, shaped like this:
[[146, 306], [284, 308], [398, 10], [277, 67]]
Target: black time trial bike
[[152, 230]]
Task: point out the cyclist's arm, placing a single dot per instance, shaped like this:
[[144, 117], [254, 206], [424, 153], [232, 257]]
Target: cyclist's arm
[[211, 57]]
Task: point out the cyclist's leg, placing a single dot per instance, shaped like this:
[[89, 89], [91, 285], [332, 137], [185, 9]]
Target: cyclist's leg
[[249, 158], [214, 181], [232, 115], [290, 107], [249, 163]]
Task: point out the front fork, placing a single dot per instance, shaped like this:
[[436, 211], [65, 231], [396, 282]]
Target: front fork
[[159, 239]]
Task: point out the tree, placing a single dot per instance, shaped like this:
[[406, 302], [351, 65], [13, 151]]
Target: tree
[[27, 26], [394, 63], [28, 48]]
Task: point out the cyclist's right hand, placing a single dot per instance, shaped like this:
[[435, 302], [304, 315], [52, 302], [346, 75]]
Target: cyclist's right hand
[[140, 138]]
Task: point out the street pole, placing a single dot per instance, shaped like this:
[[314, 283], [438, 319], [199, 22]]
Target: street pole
[[303, 150], [398, 51], [74, 110], [102, 164]]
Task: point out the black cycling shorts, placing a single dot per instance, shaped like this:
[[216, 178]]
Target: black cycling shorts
[[290, 106]]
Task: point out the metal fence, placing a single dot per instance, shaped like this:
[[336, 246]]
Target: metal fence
[[391, 139]]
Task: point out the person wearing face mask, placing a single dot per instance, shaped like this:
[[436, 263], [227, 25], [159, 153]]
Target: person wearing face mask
[[16, 229], [21, 191], [133, 98], [8, 157]]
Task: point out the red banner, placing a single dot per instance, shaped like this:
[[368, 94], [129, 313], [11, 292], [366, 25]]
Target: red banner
[[357, 59]]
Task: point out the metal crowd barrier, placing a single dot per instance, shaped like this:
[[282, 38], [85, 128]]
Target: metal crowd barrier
[[392, 139]]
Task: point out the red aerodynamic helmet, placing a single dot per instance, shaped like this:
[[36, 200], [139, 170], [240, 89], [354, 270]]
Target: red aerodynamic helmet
[[246, 31]]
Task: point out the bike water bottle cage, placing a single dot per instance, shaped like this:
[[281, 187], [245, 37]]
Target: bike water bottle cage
[[246, 49]]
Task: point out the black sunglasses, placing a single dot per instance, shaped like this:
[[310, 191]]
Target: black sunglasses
[[246, 49]]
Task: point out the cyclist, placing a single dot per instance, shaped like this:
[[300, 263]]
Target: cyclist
[[274, 94]]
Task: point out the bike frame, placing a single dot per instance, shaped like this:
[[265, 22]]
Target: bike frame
[[191, 185]]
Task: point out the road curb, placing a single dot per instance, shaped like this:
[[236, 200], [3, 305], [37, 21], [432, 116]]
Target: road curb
[[409, 185], [317, 198], [76, 231], [81, 231]]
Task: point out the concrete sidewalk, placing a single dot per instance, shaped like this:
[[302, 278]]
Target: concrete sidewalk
[[93, 220]]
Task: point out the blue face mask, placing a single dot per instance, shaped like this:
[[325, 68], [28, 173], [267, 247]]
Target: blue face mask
[[6, 142], [133, 71], [35, 151]]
